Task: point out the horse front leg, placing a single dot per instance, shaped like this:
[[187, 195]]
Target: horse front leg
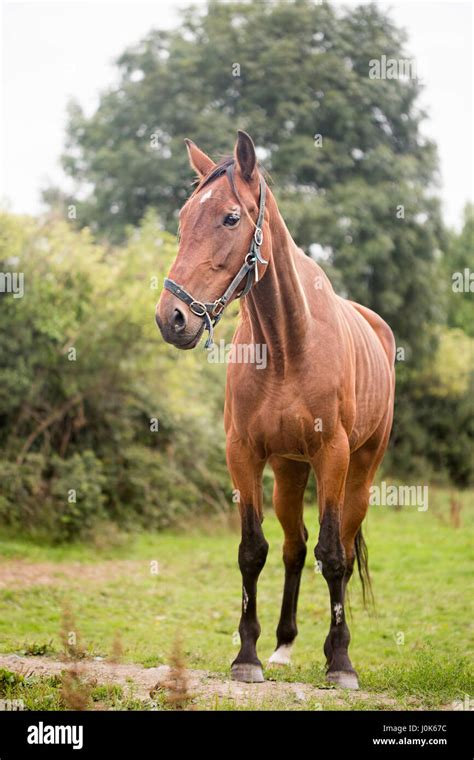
[[246, 471], [288, 495], [331, 467]]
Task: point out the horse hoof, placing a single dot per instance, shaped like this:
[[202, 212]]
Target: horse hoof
[[247, 673], [281, 656], [344, 679]]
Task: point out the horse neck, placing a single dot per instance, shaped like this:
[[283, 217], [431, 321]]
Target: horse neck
[[276, 307]]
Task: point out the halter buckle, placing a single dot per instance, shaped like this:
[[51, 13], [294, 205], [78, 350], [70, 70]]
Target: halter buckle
[[258, 236], [198, 308], [218, 308]]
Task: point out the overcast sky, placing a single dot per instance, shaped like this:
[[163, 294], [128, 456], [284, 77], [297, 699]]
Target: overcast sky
[[57, 50]]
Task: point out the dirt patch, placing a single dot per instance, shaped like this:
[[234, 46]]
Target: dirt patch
[[203, 686], [16, 574]]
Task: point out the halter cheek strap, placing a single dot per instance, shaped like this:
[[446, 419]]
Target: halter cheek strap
[[212, 312]]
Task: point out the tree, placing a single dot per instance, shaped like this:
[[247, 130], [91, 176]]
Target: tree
[[459, 274], [350, 167]]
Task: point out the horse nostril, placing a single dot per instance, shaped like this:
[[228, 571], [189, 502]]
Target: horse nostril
[[178, 321]]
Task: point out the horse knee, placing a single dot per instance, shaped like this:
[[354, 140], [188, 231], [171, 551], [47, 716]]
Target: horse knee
[[253, 548], [294, 556], [329, 550], [252, 555]]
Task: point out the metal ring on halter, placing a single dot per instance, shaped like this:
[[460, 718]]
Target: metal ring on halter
[[250, 258], [192, 307], [258, 236]]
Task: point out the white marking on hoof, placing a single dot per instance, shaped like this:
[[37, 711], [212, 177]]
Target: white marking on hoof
[[206, 196], [247, 673], [344, 679], [281, 656]]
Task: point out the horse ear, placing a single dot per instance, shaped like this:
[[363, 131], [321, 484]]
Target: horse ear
[[245, 155], [200, 162]]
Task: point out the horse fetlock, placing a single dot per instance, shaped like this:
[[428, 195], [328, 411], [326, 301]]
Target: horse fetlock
[[339, 636], [287, 632], [339, 660], [249, 631]]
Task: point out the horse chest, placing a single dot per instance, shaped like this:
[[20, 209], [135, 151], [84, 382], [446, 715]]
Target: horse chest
[[295, 438], [283, 427]]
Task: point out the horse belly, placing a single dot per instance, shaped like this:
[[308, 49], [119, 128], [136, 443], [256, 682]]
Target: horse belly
[[373, 394]]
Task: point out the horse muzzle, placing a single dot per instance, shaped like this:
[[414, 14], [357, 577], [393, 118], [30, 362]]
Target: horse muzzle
[[178, 326]]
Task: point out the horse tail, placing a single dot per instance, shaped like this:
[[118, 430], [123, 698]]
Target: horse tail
[[362, 556]]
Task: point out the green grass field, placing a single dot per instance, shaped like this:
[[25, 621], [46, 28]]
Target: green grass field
[[414, 648]]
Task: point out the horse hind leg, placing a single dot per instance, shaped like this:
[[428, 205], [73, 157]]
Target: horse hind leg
[[330, 552], [362, 468], [336, 550], [290, 483]]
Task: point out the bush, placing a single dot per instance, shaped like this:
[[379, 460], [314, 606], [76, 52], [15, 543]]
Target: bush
[[83, 374]]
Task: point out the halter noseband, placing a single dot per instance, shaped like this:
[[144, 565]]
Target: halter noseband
[[212, 312]]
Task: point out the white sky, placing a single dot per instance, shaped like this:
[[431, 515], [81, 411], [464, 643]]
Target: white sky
[[52, 51]]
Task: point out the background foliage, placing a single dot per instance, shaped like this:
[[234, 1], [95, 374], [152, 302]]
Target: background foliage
[[84, 424], [87, 424]]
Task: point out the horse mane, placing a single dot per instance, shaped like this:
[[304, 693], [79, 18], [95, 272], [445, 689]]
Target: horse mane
[[216, 172], [219, 170]]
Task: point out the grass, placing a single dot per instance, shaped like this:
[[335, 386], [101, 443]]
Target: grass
[[414, 648], [49, 694]]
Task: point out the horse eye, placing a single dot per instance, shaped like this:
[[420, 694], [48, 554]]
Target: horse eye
[[231, 220]]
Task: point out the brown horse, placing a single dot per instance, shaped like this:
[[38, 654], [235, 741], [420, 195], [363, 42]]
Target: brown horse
[[324, 400]]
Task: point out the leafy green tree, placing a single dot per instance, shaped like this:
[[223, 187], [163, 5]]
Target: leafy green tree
[[349, 164], [459, 274]]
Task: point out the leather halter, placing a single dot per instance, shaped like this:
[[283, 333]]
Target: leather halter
[[212, 312]]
